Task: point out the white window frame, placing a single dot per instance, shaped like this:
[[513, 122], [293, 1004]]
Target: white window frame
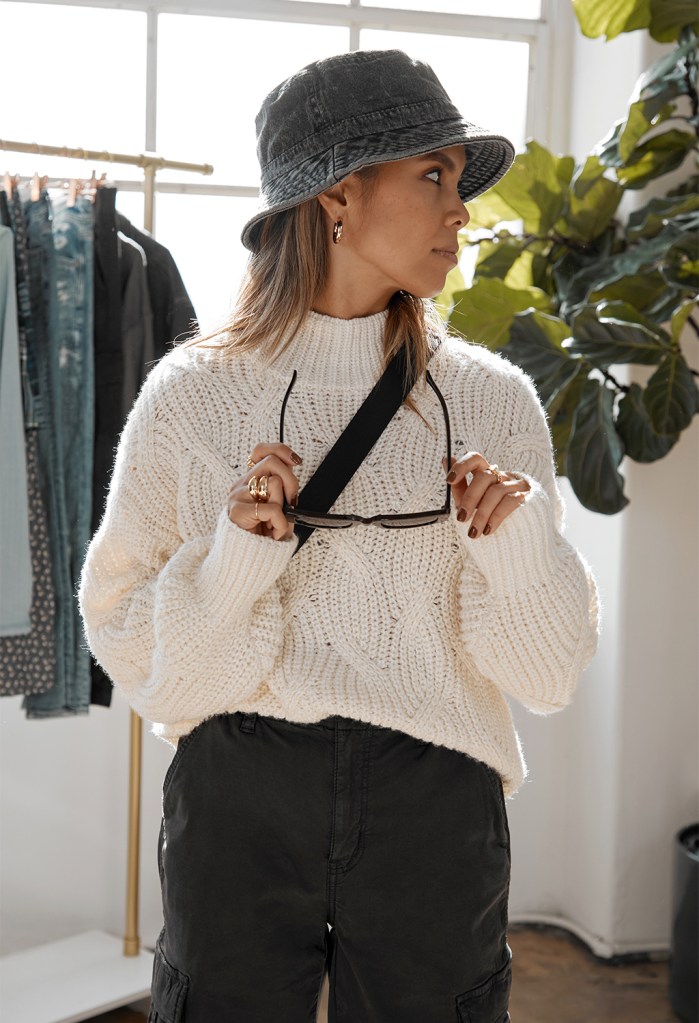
[[549, 39]]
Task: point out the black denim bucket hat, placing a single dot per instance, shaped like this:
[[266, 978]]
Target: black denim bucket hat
[[345, 112]]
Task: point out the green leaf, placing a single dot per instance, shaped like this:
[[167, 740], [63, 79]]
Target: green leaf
[[593, 202], [656, 156], [681, 265], [632, 261], [640, 291], [669, 17], [634, 427], [671, 397], [607, 149], [496, 257], [680, 317], [529, 271], [663, 70], [624, 312], [664, 306], [561, 411], [536, 344], [651, 218], [685, 187], [605, 340], [612, 17], [484, 312], [643, 114], [488, 210], [534, 187], [594, 452]]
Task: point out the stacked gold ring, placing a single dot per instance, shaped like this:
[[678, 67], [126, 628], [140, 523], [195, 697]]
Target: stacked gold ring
[[259, 487], [499, 476], [251, 462]]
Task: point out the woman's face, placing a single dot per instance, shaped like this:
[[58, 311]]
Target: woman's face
[[403, 230]]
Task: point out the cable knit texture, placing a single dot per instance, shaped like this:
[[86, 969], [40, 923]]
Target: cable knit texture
[[424, 630]]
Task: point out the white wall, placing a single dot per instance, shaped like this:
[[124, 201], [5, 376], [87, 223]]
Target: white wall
[[63, 821]]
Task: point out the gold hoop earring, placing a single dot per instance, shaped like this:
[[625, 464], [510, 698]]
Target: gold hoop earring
[[337, 231]]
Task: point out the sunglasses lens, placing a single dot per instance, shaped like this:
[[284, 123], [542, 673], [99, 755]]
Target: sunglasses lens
[[408, 523], [321, 523]]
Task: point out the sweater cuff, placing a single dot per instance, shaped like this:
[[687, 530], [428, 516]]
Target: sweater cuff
[[522, 550], [241, 566]]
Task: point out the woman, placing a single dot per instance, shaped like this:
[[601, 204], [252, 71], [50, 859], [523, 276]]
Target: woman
[[344, 741]]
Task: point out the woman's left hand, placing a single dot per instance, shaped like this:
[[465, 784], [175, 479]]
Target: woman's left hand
[[491, 501]]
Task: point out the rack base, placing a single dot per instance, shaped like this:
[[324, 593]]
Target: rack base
[[71, 980]]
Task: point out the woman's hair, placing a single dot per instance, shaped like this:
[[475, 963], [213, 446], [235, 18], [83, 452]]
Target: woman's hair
[[285, 273]]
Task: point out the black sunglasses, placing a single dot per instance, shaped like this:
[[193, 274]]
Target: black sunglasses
[[403, 520]]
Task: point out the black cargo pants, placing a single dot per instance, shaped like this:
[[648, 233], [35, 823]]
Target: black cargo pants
[[273, 830]]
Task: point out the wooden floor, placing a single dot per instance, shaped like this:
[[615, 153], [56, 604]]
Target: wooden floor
[[556, 979]]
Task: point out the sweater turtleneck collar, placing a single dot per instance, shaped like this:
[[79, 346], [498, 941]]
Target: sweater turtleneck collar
[[331, 353]]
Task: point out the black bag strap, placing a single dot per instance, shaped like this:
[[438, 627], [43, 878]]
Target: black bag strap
[[356, 441]]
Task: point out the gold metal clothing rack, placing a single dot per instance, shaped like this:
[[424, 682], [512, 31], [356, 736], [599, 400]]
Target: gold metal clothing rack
[[151, 163]]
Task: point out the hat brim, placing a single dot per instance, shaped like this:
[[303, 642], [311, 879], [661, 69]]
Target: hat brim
[[489, 157]]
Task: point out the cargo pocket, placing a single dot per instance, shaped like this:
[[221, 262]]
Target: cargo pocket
[[168, 989], [488, 1003], [496, 785]]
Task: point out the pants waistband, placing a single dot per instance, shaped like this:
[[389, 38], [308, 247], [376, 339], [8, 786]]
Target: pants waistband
[[332, 722]]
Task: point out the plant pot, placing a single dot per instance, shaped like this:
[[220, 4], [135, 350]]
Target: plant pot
[[684, 951]]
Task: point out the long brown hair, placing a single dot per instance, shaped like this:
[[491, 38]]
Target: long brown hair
[[285, 273]]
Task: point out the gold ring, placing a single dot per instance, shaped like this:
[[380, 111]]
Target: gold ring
[[256, 506], [499, 476], [263, 489], [252, 486], [251, 462]]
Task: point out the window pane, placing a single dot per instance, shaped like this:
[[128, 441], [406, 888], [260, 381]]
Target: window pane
[[463, 66], [72, 85], [131, 205], [203, 234], [213, 74], [491, 8]]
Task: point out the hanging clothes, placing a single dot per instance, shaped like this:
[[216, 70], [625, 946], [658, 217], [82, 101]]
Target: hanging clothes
[[72, 231], [173, 312], [28, 661], [63, 236], [97, 304], [15, 554], [136, 319]]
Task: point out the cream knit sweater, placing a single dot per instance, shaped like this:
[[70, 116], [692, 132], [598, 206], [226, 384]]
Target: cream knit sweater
[[424, 630]]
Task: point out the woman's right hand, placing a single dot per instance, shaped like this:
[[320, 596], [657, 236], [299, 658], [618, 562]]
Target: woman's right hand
[[276, 462]]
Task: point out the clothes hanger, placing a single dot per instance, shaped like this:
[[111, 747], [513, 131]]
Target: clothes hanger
[[10, 183], [38, 183]]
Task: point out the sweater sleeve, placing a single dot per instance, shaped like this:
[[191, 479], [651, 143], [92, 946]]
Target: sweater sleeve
[[529, 605], [181, 626]]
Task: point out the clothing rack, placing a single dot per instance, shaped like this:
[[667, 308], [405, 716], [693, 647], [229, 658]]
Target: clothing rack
[[20, 971]]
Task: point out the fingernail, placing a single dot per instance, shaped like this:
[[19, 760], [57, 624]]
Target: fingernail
[[486, 530], [451, 477], [296, 458], [473, 531], [461, 515]]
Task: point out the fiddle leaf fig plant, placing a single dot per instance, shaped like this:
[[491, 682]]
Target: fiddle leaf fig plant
[[565, 288]]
